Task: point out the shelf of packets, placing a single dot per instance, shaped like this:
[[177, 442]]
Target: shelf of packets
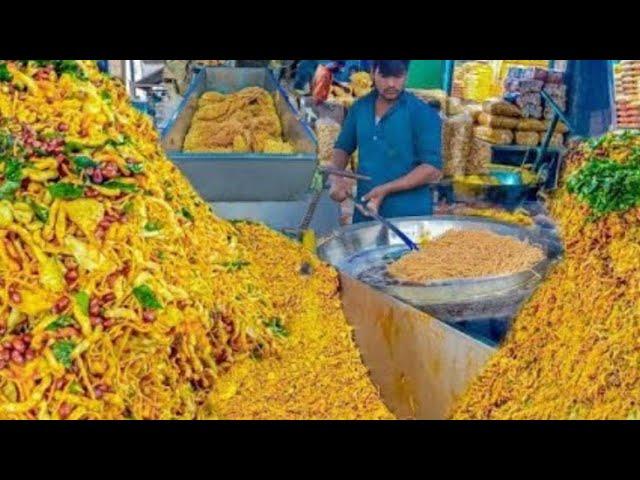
[[504, 66], [627, 79], [469, 137], [482, 79], [524, 86], [473, 81]]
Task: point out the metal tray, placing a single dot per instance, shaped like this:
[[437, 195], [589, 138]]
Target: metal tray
[[360, 249], [230, 177]]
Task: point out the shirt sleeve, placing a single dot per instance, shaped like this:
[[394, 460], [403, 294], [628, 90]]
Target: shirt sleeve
[[348, 138], [428, 141]]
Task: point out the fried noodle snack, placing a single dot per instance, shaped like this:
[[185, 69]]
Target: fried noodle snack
[[244, 121], [573, 351], [121, 294]]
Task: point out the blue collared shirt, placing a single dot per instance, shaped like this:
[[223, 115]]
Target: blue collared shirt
[[408, 135]]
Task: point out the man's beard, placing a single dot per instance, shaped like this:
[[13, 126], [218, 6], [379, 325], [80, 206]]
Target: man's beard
[[391, 94]]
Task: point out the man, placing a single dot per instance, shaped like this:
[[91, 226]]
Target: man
[[398, 140]]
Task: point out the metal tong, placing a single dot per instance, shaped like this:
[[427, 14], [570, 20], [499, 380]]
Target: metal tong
[[325, 171], [317, 194], [370, 213]]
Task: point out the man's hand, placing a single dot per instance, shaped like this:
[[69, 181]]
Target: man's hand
[[375, 198], [340, 189]]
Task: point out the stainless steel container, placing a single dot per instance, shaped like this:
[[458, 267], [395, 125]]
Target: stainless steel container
[[364, 250], [420, 364], [244, 177]]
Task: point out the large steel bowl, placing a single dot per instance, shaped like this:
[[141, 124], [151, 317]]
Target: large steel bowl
[[364, 250]]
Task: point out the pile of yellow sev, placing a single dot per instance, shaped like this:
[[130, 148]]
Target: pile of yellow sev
[[121, 294], [466, 254], [573, 351], [318, 373], [243, 121]]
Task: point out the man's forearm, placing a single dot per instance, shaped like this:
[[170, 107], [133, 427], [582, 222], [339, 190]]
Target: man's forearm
[[340, 159], [419, 176]]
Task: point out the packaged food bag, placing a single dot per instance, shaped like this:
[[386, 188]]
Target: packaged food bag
[[493, 135], [479, 158], [327, 131], [497, 121], [531, 125], [457, 134], [530, 139], [501, 107]]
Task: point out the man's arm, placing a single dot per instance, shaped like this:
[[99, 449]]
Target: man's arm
[[419, 176]]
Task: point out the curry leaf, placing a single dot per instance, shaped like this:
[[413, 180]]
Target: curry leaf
[[116, 185], [82, 299], [8, 189], [5, 74], [83, 161], [235, 265], [60, 322], [276, 327], [62, 350], [146, 297], [67, 191], [186, 214], [136, 167], [42, 213], [13, 170]]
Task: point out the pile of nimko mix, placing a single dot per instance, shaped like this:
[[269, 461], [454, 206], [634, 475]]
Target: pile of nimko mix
[[123, 296], [573, 351]]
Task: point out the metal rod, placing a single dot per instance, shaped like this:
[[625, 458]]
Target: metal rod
[[556, 109], [342, 173], [367, 212]]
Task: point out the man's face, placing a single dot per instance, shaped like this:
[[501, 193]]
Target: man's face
[[389, 87]]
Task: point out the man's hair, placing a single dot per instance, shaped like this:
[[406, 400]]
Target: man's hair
[[391, 68]]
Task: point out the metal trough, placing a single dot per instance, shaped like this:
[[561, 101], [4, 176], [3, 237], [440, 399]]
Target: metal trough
[[420, 364], [243, 177]]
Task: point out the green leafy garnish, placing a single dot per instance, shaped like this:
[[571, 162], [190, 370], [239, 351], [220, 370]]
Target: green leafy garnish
[[186, 214], [82, 162], [118, 143], [116, 185], [13, 170], [67, 191], [5, 74], [607, 186], [128, 207], [72, 67], [73, 147], [276, 327], [82, 299], [60, 322], [235, 265], [75, 388], [6, 143], [146, 297], [8, 189], [41, 212], [106, 96], [152, 226], [62, 350], [136, 167]]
